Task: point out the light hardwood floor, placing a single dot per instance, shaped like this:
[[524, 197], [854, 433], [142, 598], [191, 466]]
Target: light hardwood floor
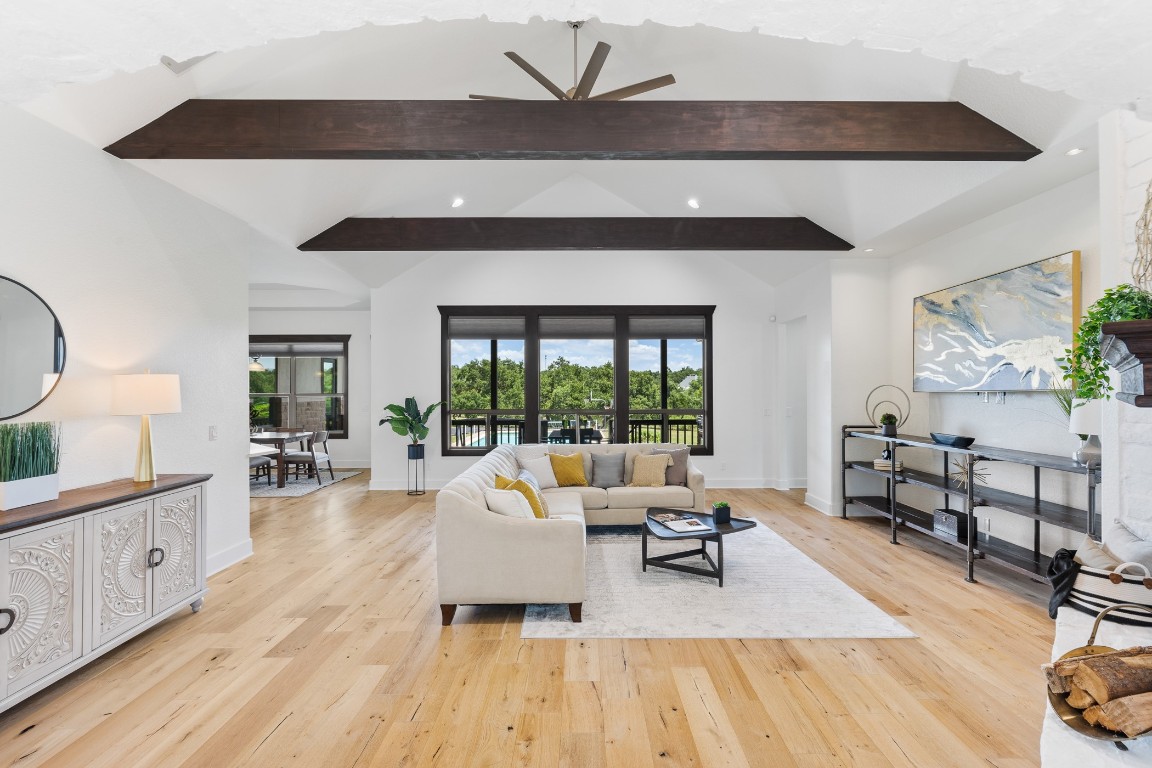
[[325, 649]]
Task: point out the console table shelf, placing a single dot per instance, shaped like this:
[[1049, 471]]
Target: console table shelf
[[1029, 561]]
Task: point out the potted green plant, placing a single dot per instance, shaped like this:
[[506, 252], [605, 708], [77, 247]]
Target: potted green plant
[[29, 462], [721, 513], [409, 421], [888, 425], [1086, 364]]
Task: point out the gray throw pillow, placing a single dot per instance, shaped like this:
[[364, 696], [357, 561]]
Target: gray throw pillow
[[608, 470], [677, 472]]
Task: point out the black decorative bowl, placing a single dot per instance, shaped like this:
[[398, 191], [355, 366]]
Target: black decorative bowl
[[953, 441]]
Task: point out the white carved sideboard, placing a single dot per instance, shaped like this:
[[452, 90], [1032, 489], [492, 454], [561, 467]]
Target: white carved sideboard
[[85, 573]]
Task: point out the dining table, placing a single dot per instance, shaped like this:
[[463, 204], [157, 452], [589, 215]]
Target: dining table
[[279, 440]]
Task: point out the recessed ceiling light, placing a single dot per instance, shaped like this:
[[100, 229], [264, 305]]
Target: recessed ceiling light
[[869, 250], [457, 202], [693, 202], [1074, 151]]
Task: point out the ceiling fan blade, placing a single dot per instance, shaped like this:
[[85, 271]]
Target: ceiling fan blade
[[591, 72], [535, 75], [492, 98], [634, 90]]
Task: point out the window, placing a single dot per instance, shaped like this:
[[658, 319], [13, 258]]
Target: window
[[576, 375], [299, 382]]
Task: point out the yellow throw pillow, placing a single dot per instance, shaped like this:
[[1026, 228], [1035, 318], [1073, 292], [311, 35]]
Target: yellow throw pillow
[[534, 501], [648, 471], [569, 470]]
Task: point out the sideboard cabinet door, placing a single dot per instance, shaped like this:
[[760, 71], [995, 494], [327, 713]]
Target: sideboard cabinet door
[[42, 576], [119, 577], [177, 536]]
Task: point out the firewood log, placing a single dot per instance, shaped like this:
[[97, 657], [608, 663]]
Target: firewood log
[[1079, 698], [1066, 667], [1132, 714], [1092, 715], [1057, 683], [1110, 677]]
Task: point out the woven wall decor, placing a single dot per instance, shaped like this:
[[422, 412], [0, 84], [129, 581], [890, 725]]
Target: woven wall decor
[[1142, 266]]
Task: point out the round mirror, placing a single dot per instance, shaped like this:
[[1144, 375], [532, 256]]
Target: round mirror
[[31, 349]]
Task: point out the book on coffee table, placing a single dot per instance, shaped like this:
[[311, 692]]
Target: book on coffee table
[[680, 523]]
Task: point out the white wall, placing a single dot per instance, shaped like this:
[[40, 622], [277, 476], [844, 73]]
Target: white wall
[[809, 296], [141, 276], [355, 451], [793, 373], [1060, 220], [406, 327], [1125, 173]]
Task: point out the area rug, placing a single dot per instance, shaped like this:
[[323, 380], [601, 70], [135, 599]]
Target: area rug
[[771, 590], [259, 489]]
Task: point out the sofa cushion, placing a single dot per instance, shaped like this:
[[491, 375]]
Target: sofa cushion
[[630, 459], [529, 451], [510, 503], [608, 470], [530, 478], [524, 487], [1093, 555], [590, 497], [541, 469], [649, 471], [677, 472], [1126, 546], [667, 496], [569, 469], [565, 505]]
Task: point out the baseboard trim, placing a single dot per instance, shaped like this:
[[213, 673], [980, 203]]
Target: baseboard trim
[[228, 557], [818, 504], [402, 485]]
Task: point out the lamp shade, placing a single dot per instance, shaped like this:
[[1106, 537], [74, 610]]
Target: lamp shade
[[140, 394], [1085, 418]]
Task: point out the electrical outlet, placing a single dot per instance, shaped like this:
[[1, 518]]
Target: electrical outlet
[[212, 432], [723, 466]]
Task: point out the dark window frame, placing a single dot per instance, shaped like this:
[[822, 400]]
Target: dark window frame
[[621, 337], [313, 338]]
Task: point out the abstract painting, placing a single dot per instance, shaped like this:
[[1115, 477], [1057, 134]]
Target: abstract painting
[[1000, 333]]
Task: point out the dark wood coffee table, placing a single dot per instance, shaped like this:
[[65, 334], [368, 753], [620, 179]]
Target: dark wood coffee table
[[715, 533]]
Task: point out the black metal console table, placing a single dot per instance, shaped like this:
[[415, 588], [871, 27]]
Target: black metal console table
[[1030, 562]]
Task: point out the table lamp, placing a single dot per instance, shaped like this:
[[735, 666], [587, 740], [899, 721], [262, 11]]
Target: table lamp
[[143, 394], [1085, 420]]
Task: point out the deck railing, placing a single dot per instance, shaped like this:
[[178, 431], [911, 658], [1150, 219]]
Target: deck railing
[[473, 432]]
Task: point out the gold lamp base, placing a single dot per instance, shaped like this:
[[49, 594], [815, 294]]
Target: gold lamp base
[[145, 467]]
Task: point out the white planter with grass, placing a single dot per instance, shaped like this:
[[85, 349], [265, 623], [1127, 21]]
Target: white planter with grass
[[29, 461], [32, 490]]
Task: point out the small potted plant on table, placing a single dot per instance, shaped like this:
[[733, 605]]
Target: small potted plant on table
[[721, 513], [888, 425]]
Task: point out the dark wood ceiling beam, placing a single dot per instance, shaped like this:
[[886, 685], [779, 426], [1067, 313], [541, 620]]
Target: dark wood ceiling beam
[[586, 130], [577, 234]]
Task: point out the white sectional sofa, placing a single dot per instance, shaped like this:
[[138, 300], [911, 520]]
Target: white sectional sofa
[[487, 558]]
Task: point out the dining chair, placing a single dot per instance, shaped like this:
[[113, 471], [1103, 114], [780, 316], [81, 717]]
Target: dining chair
[[311, 457], [263, 467]]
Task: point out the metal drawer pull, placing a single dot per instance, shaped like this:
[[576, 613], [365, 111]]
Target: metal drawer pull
[[151, 554], [11, 614]]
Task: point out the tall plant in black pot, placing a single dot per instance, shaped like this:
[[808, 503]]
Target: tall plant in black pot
[[409, 421]]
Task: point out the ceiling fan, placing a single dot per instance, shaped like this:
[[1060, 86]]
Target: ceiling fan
[[582, 90]]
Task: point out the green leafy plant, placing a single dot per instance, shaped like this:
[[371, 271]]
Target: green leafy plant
[[888, 419], [29, 449], [408, 421], [720, 504], [1085, 369]]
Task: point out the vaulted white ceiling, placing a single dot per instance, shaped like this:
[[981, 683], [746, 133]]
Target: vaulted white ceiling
[[883, 205]]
